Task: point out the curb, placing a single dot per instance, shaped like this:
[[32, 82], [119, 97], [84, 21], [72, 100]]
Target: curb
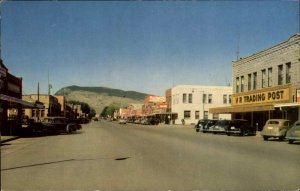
[[9, 139]]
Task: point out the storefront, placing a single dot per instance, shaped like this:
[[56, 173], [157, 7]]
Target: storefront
[[267, 84]]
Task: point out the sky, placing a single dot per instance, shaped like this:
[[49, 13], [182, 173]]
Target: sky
[[137, 46]]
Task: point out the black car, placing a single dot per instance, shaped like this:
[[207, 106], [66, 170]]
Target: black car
[[201, 123], [209, 125], [221, 126], [240, 127]]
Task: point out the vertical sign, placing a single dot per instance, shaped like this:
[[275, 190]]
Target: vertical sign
[[298, 95]]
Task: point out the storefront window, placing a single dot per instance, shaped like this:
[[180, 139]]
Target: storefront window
[[187, 114]]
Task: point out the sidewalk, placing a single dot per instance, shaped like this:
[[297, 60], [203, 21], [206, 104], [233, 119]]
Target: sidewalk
[[5, 139]]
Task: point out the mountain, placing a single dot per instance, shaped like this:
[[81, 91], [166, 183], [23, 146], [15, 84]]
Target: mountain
[[100, 97]]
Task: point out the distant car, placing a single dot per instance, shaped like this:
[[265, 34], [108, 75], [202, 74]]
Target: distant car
[[293, 134], [201, 123], [240, 127], [208, 127], [221, 126], [122, 121], [276, 128]]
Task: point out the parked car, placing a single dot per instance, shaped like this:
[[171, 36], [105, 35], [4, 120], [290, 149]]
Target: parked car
[[201, 123], [221, 126], [293, 134], [240, 127], [59, 124], [122, 121], [208, 127], [276, 128]]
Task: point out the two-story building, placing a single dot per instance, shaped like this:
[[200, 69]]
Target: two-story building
[[267, 84], [189, 103]]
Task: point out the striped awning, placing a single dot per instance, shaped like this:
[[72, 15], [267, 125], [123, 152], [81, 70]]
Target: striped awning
[[25, 104]]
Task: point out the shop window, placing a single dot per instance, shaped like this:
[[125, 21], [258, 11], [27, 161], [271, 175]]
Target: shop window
[[254, 81], [280, 75], [183, 98], [288, 73], [263, 78], [237, 85], [187, 114], [197, 115], [269, 77], [249, 82], [205, 114], [190, 98], [224, 99], [209, 98], [242, 83], [215, 116]]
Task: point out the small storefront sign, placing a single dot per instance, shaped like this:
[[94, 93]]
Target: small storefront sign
[[268, 96], [298, 95]]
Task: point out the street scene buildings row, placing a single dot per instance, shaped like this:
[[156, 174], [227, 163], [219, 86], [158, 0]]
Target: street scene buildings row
[[264, 85]]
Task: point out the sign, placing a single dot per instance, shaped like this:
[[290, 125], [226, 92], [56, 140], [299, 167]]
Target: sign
[[297, 95], [161, 106], [268, 96]]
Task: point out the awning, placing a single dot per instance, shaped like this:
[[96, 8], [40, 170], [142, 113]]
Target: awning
[[287, 105], [242, 109], [25, 104]]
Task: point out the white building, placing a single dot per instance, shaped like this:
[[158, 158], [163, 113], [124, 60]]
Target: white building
[[192, 102]]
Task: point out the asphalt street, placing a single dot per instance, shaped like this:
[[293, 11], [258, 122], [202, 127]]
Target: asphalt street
[[108, 156]]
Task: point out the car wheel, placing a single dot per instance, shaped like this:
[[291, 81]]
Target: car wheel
[[197, 130], [265, 138], [291, 141], [68, 129], [242, 133], [281, 138], [228, 134]]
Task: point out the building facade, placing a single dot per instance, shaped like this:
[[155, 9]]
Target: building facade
[[267, 84], [190, 103]]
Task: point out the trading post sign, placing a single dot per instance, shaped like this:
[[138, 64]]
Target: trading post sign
[[268, 96]]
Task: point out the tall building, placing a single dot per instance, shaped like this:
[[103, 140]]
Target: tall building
[[267, 84], [189, 103]]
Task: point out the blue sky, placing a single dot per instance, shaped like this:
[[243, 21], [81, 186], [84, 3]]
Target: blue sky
[[140, 46]]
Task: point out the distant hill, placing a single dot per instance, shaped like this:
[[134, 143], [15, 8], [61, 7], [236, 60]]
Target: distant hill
[[100, 97]]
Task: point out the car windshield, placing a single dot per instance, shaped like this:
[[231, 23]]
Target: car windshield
[[273, 122]]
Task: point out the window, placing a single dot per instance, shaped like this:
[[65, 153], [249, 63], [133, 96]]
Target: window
[[242, 83], [249, 82], [229, 99], [280, 74], [197, 115], [288, 73], [187, 114], [183, 98], [254, 81], [190, 98], [204, 98], [216, 116], [209, 98], [33, 113], [42, 113], [263, 78], [269, 77], [237, 85], [205, 114], [224, 99]]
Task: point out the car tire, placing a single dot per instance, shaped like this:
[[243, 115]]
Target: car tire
[[291, 141], [265, 138], [228, 134], [281, 138], [242, 133]]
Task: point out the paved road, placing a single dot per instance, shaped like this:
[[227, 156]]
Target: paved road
[[108, 156]]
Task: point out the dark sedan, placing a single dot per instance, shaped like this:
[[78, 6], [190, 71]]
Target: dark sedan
[[240, 127]]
